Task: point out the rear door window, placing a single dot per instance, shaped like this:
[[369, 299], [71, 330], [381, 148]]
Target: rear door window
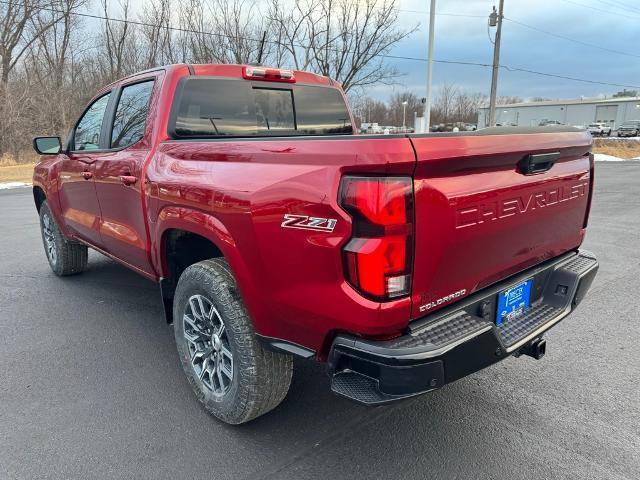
[[131, 114], [206, 107]]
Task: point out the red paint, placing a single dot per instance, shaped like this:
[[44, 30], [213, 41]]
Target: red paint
[[474, 217]]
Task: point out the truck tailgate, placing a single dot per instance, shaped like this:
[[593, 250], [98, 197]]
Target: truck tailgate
[[480, 218]]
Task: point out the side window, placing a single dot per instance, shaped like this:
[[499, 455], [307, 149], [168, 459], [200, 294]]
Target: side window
[[131, 114], [87, 134]]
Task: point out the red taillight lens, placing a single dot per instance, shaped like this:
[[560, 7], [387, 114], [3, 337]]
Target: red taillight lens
[[378, 257], [382, 201]]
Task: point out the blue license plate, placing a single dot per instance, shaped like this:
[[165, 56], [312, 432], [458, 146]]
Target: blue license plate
[[514, 301]]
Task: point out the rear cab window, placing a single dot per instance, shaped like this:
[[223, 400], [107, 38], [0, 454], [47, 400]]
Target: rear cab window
[[210, 107]]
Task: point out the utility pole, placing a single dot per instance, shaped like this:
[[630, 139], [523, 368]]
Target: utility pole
[[427, 104], [496, 60]]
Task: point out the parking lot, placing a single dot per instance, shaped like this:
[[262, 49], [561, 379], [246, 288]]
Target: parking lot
[[91, 386]]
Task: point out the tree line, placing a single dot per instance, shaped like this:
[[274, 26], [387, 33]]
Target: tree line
[[54, 54], [450, 104]]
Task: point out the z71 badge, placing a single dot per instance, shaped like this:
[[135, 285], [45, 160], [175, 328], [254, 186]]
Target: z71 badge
[[305, 222]]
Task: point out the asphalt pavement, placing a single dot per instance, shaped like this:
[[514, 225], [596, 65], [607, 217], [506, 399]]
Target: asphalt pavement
[[91, 386]]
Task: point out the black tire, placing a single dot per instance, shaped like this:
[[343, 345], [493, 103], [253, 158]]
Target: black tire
[[260, 378], [65, 257]]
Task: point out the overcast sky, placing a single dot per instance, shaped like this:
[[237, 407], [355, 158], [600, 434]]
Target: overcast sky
[[611, 24]]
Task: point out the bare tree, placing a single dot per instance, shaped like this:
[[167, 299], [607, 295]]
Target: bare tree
[[238, 26], [397, 110], [18, 32], [341, 39], [368, 110], [120, 55], [200, 39], [506, 100], [50, 61], [156, 33], [444, 104]]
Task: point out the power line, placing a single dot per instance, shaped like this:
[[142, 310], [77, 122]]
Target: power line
[[580, 42], [398, 57], [623, 8], [618, 14], [633, 8], [516, 69], [575, 79], [426, 12]]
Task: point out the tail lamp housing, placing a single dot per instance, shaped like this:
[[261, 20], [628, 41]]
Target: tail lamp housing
[[378, 258]]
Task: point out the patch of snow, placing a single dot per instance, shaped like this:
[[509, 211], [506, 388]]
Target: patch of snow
[[601, 157], [7, 185], [620, 139]]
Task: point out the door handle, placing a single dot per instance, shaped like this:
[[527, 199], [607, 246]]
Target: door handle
[[538, 163], [87, 175], [128, 179]]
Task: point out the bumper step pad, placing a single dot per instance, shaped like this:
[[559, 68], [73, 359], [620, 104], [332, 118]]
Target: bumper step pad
[[512, 331], [360, 388], [442, 332]]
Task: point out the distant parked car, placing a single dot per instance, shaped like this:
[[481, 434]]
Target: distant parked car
[[629, 129], [599, 129], [546, 123]]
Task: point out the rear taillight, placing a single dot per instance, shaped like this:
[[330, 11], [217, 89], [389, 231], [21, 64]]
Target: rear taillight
[[378, 257]]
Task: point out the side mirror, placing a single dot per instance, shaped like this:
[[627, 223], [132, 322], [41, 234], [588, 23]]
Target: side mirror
[[47, 145]]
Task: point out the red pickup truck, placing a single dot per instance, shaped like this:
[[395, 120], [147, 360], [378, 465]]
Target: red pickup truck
[[404, 262]]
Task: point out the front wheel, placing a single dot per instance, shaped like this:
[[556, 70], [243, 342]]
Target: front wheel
[[65, 257], [232, 374]]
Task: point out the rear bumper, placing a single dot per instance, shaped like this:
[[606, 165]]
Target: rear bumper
[[459, 340]]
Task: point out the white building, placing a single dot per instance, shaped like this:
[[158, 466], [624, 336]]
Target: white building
[[612, 111]]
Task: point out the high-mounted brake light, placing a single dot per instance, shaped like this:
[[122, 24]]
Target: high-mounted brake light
[[268, 74], [378, 258]]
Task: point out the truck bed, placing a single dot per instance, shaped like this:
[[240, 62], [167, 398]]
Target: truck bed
[[297, 276]]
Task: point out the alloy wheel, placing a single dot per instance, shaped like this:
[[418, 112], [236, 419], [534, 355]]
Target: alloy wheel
[[49, 239], [208, 344]]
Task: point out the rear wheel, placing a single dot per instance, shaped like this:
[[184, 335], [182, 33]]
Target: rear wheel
[[233, 376], [65, 257]]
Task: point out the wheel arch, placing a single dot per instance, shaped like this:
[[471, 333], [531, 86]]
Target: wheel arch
[[38, 197], [186, 236]]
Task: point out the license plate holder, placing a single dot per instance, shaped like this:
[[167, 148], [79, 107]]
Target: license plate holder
[[514, 301]]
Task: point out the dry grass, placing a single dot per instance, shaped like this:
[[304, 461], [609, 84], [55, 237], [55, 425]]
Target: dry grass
[[16, 173], [617, 148], [25, 157]]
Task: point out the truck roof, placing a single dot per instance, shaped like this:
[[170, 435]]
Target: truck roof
[[230, 70]]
